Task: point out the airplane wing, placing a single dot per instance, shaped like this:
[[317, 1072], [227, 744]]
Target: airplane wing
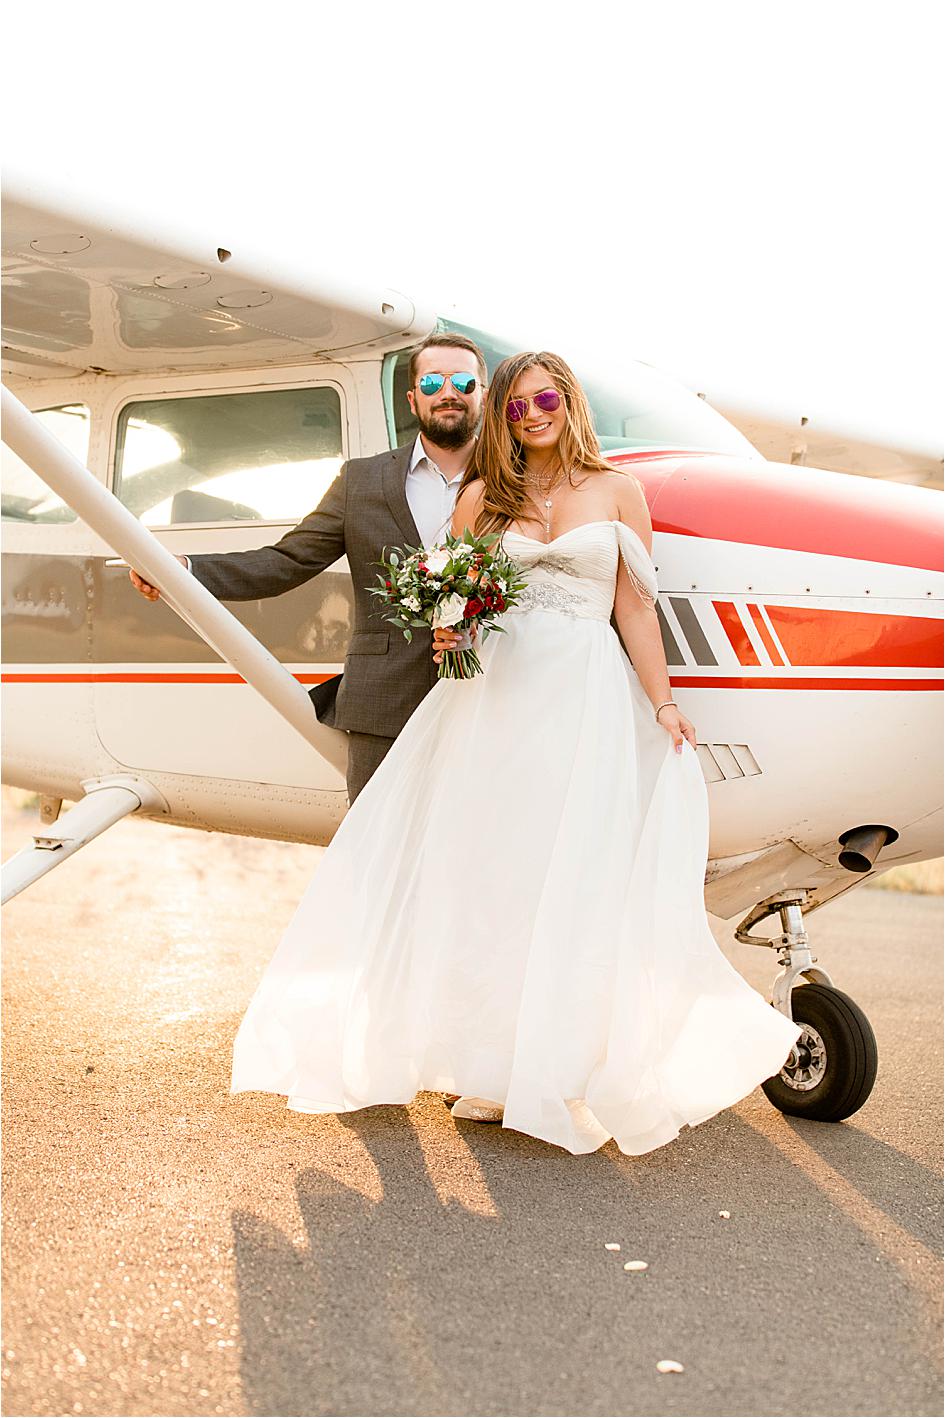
[[109, 293]]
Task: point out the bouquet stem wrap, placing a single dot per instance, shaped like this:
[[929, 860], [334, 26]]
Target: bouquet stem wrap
[[461, 662], [463, 584]]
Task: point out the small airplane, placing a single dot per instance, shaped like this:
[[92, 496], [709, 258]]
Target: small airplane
[[166, 395]]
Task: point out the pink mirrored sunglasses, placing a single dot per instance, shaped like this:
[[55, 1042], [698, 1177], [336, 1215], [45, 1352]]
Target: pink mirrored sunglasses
[[547, 400]]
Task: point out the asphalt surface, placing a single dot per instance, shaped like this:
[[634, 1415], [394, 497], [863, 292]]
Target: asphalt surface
[[172, 1250]]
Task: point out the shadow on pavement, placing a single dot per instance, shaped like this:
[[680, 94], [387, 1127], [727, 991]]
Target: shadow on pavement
[[409, 1304], [910, 1193]]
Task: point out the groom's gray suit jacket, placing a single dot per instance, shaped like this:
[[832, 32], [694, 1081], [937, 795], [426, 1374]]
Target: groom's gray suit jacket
[[364, 511]]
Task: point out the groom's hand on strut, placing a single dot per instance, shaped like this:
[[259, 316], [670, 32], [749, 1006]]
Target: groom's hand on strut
[[150, 592]]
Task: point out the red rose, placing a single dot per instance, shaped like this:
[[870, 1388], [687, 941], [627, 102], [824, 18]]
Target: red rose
[[500, 603], [473, 607]]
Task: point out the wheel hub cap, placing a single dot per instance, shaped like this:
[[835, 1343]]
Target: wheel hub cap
[[808, 1061]]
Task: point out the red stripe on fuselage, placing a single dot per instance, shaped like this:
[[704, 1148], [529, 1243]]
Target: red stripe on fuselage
[[812, 636], [736, 632], [770, 682], [683, 681], [798, 509], [143, 677], [765, 633]]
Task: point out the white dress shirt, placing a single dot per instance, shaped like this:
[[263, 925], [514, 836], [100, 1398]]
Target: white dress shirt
[[431, 495]]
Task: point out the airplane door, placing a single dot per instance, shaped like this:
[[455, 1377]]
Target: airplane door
[[215, 470]]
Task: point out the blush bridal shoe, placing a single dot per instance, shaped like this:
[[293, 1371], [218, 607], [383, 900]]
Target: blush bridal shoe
[[477, 1110]]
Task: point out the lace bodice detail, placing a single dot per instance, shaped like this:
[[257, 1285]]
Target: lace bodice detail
[[576, 573]]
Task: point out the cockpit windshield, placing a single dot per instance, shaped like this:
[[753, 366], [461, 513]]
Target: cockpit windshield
[[637, 408]]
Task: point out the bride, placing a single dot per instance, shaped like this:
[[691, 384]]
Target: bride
[[512, 909]]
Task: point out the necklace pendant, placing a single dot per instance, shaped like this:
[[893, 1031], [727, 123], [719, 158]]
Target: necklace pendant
[[547, 501]]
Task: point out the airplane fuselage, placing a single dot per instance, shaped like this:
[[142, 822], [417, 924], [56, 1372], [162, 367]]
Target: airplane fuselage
[[800, 613]]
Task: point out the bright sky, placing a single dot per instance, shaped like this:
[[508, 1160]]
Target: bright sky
[[743, 194]]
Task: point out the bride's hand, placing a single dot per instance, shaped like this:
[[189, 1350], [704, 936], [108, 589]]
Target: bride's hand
[[678, 725], [444, 639]]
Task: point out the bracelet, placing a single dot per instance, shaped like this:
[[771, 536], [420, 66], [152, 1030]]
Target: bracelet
[[665, 706]]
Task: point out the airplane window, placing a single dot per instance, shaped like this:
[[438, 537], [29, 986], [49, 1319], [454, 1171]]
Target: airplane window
[[266, 456], [641, 408], [25, 497]]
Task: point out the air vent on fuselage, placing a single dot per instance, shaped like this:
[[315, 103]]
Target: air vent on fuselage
[[725, 761]]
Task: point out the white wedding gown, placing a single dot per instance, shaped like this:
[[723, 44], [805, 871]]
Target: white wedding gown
[[513, 906]]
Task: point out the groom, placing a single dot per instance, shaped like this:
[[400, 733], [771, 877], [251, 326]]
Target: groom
[[392, 499]]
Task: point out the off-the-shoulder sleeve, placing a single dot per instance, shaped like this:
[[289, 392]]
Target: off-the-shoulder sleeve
[[637, 561]]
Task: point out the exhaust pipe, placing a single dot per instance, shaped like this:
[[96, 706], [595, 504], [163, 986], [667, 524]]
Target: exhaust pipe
[[862, 845]]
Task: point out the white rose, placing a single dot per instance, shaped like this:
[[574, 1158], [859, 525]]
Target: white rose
[[412, 603], [437, 561], [449, 612]]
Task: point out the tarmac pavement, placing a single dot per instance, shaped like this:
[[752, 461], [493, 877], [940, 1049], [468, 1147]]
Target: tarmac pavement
[[172, 1250]]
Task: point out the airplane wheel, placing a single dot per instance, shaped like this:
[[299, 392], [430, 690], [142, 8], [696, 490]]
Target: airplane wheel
[[832, 1069]]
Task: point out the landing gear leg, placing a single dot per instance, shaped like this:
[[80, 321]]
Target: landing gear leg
[[831, 1070]]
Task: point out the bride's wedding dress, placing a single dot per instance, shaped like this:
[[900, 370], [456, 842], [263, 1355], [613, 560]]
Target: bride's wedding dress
[[513, 906]]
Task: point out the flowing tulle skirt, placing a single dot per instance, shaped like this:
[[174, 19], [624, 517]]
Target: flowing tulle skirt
[[513, 909]]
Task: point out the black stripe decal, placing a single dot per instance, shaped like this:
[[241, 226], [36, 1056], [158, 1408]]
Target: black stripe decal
[[674, 656], [695, 636]]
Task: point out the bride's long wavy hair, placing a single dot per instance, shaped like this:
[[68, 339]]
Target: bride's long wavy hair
[[499, 459]]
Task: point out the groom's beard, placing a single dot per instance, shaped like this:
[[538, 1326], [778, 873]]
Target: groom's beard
[[448, 432]]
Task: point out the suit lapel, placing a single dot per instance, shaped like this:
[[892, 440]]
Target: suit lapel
[[395, 492]]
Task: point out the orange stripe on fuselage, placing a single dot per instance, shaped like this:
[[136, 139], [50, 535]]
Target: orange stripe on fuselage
[[680, 681], [825, 637], [142, 677], [736, 632], [785, 682], [765, 633]]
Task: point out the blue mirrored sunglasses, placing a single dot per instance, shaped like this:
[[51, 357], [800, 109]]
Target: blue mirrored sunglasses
[[433, 383]]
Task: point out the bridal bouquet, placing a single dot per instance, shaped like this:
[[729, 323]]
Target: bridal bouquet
[[458, 584]]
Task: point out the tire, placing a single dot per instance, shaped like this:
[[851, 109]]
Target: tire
[[837, 1067]]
